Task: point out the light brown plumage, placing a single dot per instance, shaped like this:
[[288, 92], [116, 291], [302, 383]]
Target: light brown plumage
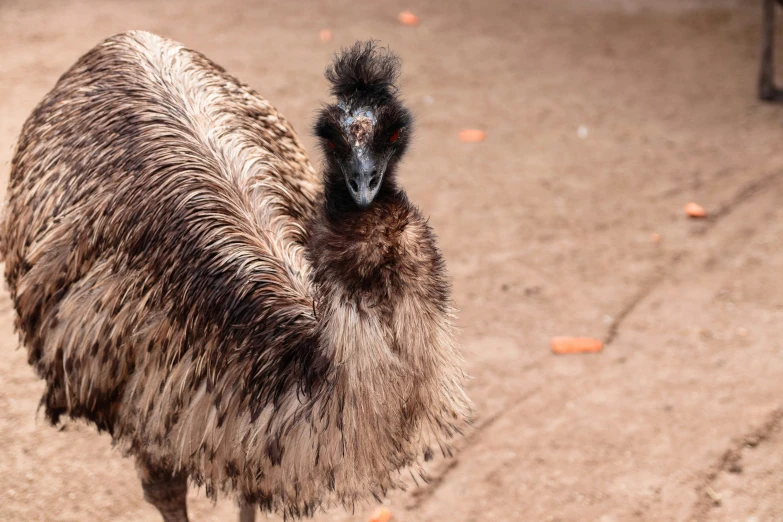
[[179, 283]]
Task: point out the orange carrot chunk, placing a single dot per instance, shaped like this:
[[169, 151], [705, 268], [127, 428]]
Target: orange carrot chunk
[[471, 135], [695, 210], [408, 18], [380, 515], [563, 345]]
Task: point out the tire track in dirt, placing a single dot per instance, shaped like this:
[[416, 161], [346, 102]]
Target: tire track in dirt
[[731, 461], [646, 289], [741, 196], [692, 185]]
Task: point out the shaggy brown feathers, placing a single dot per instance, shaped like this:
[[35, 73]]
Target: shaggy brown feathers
[[179, 283]]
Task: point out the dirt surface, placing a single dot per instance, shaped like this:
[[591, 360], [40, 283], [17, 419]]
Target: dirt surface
[[547, 231]]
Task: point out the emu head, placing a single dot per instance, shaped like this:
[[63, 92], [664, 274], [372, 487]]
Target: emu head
[[365, 133]]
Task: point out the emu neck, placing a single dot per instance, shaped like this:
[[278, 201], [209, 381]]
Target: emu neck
[[363, 251], [383, 316]]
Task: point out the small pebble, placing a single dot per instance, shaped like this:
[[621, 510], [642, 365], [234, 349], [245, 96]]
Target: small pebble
[[581, 131], [325, 35]]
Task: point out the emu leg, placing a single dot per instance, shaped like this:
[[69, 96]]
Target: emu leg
[[247, 512], [767, 89], [164, 490]]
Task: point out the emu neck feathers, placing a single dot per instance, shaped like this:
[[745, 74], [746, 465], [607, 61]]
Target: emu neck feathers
[[368, 268]]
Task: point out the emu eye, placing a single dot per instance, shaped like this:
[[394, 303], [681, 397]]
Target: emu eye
[[330, 143], [394, 136]]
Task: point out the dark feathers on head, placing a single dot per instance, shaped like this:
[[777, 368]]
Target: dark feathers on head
[[364, 68]]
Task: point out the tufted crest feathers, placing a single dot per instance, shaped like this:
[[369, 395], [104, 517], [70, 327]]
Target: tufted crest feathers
[[364, 68]]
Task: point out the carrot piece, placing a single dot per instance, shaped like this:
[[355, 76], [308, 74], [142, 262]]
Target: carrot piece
[[655, 237], [695, 210], [380, 515], [408, 18], [471, 135], [563, 345], [325, 35]]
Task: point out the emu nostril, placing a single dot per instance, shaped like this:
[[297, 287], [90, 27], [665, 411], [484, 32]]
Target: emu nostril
[[373, 178], [354, 185]]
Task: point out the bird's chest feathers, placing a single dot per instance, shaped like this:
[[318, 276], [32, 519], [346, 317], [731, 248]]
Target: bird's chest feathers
[[383, 330], [380, 312]]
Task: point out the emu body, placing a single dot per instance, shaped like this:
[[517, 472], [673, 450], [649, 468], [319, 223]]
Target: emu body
[[186, 281]]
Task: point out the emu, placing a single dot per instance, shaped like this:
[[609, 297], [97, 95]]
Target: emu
[[184, 280]]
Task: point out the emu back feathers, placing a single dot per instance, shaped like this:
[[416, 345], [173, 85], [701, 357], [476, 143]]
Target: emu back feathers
[[156, 245]]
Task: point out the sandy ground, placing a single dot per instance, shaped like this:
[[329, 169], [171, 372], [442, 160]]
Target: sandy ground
[[546, 233]]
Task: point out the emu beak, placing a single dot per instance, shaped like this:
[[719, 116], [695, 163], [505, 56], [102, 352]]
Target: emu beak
[[364, 177]]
